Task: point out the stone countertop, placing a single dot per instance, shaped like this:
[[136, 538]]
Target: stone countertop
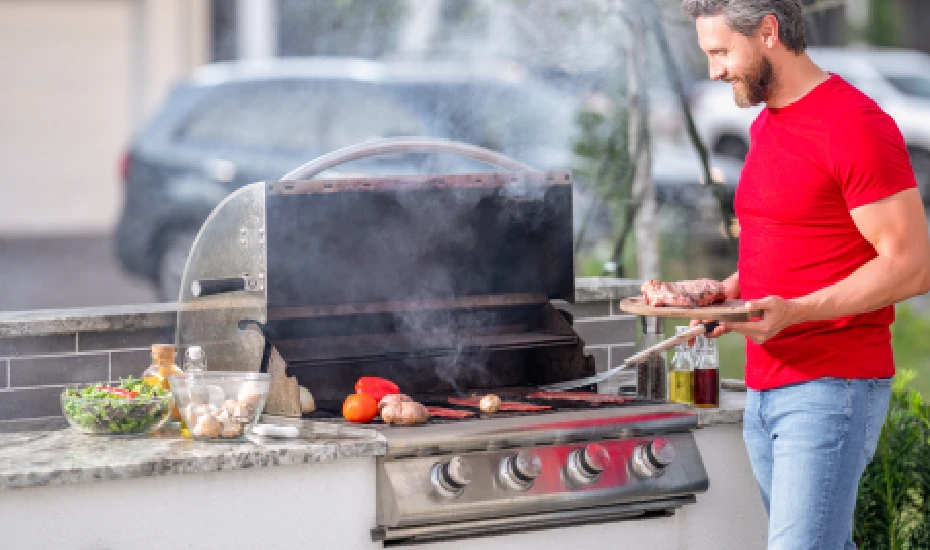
[[133, 317], [64, 456], [592, 289], [59, 321], [732, 404]]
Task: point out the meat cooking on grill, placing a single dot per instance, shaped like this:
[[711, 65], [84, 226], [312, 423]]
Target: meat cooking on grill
[[695, 293], [442, 412], [590, 398], [506, 406]]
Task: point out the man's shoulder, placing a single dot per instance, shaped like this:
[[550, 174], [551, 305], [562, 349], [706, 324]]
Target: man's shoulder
[[844, 101]]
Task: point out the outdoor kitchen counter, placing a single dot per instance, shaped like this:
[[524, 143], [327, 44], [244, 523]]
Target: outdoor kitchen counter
[[50, 453], [732, 404], [64, 456]]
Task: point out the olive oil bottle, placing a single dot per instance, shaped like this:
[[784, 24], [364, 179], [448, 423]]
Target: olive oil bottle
[[681, 373]]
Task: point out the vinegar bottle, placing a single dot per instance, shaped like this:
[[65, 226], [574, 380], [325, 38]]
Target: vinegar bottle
[[706, 373]]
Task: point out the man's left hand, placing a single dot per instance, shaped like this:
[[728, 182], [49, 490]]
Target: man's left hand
[[777, 314]]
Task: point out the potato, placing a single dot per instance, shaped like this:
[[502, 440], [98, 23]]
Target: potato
[[394, 398], [404, 413]]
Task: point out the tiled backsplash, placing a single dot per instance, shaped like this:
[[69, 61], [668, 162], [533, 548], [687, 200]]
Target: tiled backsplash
[[35, 368], [40, 352]]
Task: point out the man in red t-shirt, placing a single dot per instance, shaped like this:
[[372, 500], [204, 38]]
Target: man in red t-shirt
[[833, 234]]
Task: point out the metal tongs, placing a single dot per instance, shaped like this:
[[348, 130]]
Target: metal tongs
[[641, 357]]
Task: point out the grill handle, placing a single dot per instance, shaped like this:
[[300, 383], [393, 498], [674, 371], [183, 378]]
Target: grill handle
[[402, 145], [209, 287]]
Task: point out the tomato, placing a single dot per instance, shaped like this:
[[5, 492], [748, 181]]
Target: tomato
[[376, 387], [359, 407], [118, 392]]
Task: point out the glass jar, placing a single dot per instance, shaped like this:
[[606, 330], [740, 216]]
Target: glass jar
[[194, 360], [706, 373], [164, 364], [681, 372]]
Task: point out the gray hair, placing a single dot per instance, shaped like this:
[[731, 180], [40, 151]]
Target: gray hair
[[745, 16]]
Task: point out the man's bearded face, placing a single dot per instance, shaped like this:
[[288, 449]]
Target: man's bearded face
[[753, 85]]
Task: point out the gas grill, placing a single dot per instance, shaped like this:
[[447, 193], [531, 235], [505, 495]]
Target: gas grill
[[441, 283]]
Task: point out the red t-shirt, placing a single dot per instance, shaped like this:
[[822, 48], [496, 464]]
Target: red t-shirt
[[809, 164]]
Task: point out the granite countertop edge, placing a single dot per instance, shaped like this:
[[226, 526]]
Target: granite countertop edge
[[63, 456], [732, 405], [61, 321]]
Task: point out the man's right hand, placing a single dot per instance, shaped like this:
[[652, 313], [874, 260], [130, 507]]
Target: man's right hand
[[731, 284]]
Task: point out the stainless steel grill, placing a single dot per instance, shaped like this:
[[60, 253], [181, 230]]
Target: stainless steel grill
[[441, 283]]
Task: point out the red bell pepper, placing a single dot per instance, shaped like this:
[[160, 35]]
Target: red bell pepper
[[376, 387]]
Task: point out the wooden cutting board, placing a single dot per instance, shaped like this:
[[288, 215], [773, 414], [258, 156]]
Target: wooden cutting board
[[730, 310]]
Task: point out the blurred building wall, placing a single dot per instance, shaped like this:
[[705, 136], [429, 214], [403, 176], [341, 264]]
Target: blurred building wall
[[78, 77]]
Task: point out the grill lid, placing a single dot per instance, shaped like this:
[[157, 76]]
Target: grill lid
[[384, 243], [481, 246]]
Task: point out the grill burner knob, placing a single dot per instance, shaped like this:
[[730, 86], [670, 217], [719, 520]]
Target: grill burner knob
[[450, 478], [517, 472], [585, 465], [651, 459]]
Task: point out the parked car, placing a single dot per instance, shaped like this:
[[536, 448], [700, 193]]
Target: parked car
[[898, 80], [236, 123]]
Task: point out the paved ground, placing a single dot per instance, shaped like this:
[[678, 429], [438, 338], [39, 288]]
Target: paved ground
[[60, 272]]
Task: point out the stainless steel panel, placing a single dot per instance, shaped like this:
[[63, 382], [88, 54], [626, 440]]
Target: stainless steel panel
[[547, 520], [231, 243], [406, 496]]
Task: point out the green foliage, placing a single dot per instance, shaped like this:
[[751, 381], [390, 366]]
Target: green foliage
[[911, 344], [606, 169], [883, 25], [893, 507]]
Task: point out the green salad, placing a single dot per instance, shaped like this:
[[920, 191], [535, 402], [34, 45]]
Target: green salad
[[130, 407]]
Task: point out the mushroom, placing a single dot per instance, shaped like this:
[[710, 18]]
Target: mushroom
[[191, 414], [250, 393], [307, 404], [490, 403], [207, 426], [242, 412], [231, 428]]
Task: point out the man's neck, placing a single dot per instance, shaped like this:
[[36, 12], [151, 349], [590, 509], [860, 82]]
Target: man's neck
[[796, 76]]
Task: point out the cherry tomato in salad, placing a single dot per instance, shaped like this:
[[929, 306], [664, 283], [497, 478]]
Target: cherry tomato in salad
[[118, 392]]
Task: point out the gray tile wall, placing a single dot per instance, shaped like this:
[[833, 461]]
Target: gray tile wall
[[34, 369], [610, 336]]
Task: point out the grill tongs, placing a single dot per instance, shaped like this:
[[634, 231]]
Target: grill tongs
[[641, 357]]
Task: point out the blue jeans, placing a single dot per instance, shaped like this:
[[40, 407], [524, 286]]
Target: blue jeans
[[808, 445]]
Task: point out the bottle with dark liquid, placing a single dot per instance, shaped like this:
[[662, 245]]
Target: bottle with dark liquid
[[706, 373]]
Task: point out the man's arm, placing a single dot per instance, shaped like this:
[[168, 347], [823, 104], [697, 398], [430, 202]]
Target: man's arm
[[896, 227]]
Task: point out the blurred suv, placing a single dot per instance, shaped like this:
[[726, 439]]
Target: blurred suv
[[898, 80], [236, 123]]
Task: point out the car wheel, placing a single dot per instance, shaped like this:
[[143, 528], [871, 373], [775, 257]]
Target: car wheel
[[732, 146], [176, 247], [920, 161]]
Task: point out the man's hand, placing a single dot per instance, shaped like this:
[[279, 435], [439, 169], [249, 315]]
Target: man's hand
[[777, 314], [731, 284]]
